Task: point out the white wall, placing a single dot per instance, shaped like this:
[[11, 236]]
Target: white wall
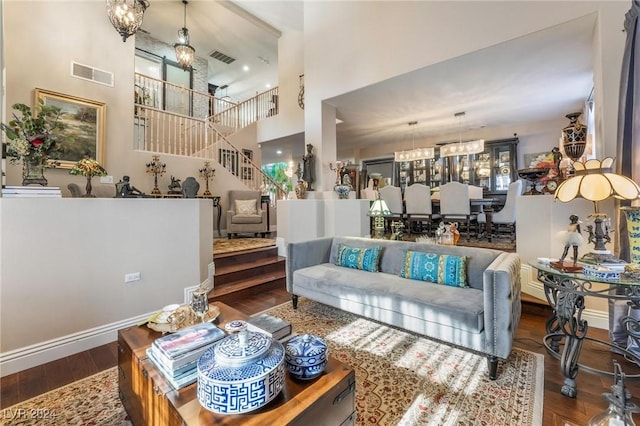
[[344, 41], [64, 262]]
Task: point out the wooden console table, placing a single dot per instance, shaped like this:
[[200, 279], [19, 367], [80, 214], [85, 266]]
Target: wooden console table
[[214, 198], [150, 400]]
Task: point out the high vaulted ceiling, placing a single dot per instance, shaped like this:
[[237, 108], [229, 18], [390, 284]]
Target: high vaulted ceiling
[[538, 77]]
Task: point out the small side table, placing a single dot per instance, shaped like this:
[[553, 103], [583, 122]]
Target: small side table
[[566, 293], [266, 199]]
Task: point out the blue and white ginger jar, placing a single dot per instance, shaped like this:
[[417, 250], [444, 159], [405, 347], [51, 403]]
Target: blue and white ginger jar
[[241, 373], [306, 356]]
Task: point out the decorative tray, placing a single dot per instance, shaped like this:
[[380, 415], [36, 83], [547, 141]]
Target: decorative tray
[[180, 318]]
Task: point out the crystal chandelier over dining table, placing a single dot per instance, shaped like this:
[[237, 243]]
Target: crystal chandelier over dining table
[[462, 148], [414, 153]]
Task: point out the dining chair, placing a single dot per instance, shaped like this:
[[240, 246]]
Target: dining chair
[[455, 205], [506, 217], [417, 204], [392, 195]]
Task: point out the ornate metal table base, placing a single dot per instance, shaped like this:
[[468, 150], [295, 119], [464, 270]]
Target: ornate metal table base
[[566, 294]]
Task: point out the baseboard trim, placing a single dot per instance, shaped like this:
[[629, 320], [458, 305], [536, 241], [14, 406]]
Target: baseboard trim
[[51, 350], [531, 286]]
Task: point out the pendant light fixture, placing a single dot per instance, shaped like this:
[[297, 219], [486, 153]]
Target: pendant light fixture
[[126, 15], [462, 148], [185, 53], [414, 153]]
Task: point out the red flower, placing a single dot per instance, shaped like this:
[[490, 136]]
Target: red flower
[[37, 142]]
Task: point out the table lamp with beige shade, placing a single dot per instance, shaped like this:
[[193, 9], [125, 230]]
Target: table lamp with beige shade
[[595, 181]]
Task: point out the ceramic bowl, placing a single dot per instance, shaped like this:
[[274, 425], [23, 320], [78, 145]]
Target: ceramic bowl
[[241, 373], [306, 356]]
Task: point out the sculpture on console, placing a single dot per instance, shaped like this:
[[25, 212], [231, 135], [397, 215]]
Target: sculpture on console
[[124, 189], [309, 173]]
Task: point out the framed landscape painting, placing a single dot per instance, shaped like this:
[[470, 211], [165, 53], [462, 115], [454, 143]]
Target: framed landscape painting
[[84, 126]]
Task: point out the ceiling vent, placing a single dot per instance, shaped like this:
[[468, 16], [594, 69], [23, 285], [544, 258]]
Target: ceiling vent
[[96, 75], [221, 57]]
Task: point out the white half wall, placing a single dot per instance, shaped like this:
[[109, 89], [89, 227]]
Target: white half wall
[[64, 261]]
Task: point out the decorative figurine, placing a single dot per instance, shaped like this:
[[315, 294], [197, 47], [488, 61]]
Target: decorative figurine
[[572, 238], [124, 189], [174, 186], [308, 174]]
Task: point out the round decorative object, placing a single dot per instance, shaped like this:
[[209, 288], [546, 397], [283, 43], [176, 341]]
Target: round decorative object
[[235, 326], [301, 190], [306, 356], [240, 375], [342, 191], [551, 186], [190, 187]]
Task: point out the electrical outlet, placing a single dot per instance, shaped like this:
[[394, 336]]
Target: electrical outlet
[[106, 179], [134, 276]]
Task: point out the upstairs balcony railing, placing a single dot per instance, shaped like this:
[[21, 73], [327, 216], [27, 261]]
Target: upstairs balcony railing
[[173, 120], [177, 99]]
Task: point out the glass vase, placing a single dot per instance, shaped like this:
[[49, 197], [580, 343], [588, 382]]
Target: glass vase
[[33, 172]]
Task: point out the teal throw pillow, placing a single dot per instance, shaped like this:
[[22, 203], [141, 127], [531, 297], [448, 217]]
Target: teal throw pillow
[[366, 259], [435, 268]]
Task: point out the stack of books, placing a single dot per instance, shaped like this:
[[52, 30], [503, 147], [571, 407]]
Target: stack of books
[[32, 191], [176, 355], [274, 327]]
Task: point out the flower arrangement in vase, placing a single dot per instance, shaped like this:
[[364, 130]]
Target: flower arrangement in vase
[[32, 140], [89, 168]]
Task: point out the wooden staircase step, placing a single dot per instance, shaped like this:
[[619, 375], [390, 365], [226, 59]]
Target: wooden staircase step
[[253, 264], [239, 257], [220, 290], [242, 274]]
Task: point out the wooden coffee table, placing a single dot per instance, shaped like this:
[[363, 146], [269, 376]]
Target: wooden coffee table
[[150, 400]]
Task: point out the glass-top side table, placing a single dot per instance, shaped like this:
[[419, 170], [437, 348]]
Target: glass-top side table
[[565, 293]]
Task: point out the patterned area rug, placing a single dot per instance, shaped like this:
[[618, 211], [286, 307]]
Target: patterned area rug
[[90, 401], [401, 379], [404, 379], [225, 245]]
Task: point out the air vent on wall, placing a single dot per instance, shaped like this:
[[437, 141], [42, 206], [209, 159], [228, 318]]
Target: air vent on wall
[[221, 57], [96, 75]]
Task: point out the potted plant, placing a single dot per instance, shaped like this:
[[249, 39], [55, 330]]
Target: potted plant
[[32, 140]]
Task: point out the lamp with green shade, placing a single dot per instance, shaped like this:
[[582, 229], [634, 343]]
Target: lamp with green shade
[[379, 210]]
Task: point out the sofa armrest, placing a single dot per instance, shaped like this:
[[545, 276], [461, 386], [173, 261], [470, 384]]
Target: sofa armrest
[[502, 306], [304, 254]]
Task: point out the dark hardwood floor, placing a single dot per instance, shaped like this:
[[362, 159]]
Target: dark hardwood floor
[[558, 409]]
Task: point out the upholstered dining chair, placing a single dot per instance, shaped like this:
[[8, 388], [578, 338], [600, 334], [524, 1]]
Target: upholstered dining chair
[[417, 204], [505, 218], [455, 205], [245, 214], [392, 195]]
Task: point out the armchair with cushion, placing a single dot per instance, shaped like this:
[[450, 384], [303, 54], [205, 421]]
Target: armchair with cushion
[[245, 214]]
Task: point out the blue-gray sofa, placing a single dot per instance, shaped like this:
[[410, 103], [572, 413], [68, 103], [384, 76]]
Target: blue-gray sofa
[[482, 318]]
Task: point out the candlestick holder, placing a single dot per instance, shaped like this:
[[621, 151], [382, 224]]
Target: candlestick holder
[[207, 173], [157, 169]]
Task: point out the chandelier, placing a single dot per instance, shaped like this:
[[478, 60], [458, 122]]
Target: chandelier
[[185, 53], [414, 153], [126, 15], [462, 148]]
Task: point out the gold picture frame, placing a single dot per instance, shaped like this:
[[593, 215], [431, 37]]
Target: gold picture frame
[[84, 126]]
